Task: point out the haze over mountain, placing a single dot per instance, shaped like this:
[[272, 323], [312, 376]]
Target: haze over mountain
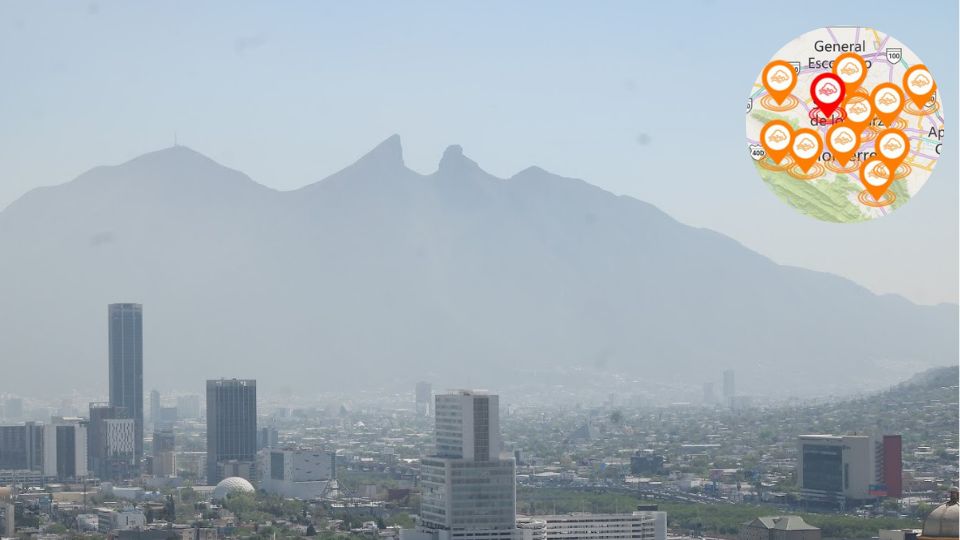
[[379, 273]]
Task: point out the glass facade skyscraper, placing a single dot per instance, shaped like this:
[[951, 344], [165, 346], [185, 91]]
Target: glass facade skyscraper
[[231, 425], [125, 323]]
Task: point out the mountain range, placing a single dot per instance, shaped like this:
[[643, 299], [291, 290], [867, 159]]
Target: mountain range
[[380, 274]]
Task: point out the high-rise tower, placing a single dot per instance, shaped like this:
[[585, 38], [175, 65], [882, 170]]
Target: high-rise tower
[[125, 346], [231, 429], [469, 491]]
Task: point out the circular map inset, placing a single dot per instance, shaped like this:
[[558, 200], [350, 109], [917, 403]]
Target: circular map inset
[[870, 103]]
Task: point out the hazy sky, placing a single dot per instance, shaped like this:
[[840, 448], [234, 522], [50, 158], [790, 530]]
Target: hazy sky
[[640, 98]]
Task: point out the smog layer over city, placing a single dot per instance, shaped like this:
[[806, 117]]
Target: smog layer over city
[[479, 271]]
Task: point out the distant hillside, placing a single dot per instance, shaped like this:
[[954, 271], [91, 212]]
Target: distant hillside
[[924, 409], [380, 274], [931, 379]]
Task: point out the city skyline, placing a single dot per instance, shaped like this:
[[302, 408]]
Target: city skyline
[[471, 469]]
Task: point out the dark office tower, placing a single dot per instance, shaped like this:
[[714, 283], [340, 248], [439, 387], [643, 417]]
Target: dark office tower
[[95, 436], [126, 365], [110, 443], [231, 426], [21, 447]]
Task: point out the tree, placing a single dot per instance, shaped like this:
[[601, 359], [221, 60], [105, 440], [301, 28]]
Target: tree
[[311, 530], [56, 528], [188, 494], [243, 505], [169, 509]]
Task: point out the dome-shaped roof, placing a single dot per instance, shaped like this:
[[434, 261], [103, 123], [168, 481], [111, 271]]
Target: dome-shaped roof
[[234, 484], [944, 521]]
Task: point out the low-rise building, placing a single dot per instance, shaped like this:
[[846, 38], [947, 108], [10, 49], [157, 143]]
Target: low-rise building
[[898, 534], [779, 528], [120, 519], [641, 525], [302, 473], [199, 533]]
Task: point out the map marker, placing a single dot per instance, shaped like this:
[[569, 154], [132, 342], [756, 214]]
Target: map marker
[[775, 137], [892, 147], [852, 70], [779, 78], [827, 91], [919, 85], [842, 141], [859, 113], [876, 185], [806, 148], [887, 100], [831, 189]]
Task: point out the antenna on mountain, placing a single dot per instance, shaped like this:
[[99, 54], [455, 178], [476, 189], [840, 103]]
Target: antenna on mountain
[[175, 139]]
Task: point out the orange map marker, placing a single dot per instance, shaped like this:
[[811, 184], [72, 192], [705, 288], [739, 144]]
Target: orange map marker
[[806, 148], [892, 147], [852, 70], [842, 141], [875, 185], [775, 137], [859, 113], [779, 78], [887, 101], [919, 85]]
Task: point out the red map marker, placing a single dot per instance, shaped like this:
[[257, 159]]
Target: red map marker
[[827, 91]]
